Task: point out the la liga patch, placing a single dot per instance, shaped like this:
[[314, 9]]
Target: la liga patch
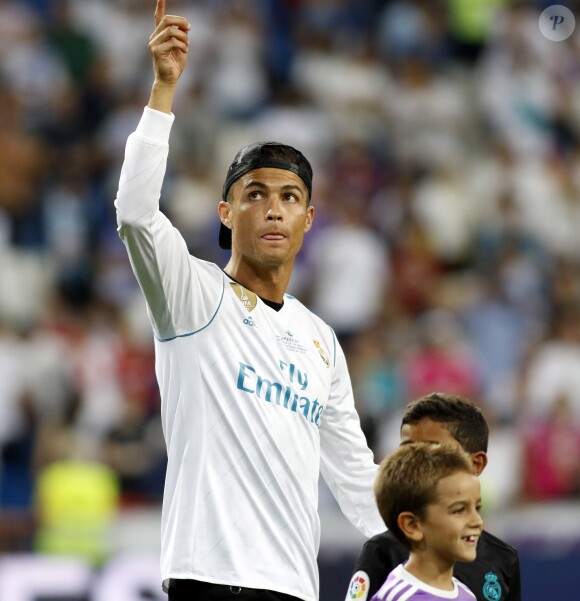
[[358, 589]]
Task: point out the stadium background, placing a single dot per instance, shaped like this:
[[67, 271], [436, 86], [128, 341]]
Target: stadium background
[[444, 136]]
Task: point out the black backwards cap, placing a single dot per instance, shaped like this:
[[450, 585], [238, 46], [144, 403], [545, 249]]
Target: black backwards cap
[[257, 156]]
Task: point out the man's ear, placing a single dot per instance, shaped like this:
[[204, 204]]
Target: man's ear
[[410, 526], [224, 211], [309, 218], [479, 460]]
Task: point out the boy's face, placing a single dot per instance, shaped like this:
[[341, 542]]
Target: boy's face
[[452, 525], [427, 430]]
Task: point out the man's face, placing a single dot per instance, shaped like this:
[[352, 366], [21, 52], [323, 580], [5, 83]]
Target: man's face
[[269, 215]]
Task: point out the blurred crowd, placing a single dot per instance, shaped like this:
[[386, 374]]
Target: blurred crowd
[[445, 140]]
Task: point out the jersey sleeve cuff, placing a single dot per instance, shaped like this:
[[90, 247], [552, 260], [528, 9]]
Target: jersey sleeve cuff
[[155, 126]]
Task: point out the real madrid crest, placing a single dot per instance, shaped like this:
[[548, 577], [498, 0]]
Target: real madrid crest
[[322, 352], [491, 587]]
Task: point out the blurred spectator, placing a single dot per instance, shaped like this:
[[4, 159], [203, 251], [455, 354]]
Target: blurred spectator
[[348, 84], [470, 25], [237, 85], [410, 28], [552, 454], [442, 206], [74, 45], [516, 81], [76, 502], [554, 370], [293, 119], [76, 493], [377, 373], [22, 171], [12, 387], [499, 337], [116, 28], [416, 267], [442, 359], [195, 220], [134, 449], [428, 112], [29, 66], [34, 374], [349, 271]]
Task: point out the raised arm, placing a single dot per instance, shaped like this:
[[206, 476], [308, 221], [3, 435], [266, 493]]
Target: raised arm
[[168, 45]]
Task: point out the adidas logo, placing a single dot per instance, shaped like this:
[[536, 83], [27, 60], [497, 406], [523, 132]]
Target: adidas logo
[[249, 321]]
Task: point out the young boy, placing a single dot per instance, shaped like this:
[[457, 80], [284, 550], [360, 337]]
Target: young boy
[[495, 574], [429, 498]]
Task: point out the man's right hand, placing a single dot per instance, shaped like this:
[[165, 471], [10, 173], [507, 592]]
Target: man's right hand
[[168, 45]]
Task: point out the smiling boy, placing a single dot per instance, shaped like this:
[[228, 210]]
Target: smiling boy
[[495, 573], [429, 498]]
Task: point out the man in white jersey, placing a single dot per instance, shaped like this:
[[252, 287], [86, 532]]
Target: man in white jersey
[[255, 392]]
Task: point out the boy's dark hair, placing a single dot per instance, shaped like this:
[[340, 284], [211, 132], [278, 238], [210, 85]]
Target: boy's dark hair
[[464, 420], [407, 480]]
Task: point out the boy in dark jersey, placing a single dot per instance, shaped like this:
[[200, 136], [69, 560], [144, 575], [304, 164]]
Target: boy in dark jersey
[[495, 573]]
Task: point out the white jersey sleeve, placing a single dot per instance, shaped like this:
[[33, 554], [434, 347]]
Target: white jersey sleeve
[[177, 302], [346, 462]]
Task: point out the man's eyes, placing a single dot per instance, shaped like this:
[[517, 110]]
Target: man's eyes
[[257, 195]]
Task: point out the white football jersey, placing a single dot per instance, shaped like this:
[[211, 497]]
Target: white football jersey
[[255, 403]]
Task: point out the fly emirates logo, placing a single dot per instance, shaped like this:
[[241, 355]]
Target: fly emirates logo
[[290, 395]]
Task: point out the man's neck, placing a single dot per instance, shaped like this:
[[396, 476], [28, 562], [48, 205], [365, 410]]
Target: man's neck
[[268, 283]]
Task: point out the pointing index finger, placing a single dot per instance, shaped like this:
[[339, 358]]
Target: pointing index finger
[[159, 11]]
